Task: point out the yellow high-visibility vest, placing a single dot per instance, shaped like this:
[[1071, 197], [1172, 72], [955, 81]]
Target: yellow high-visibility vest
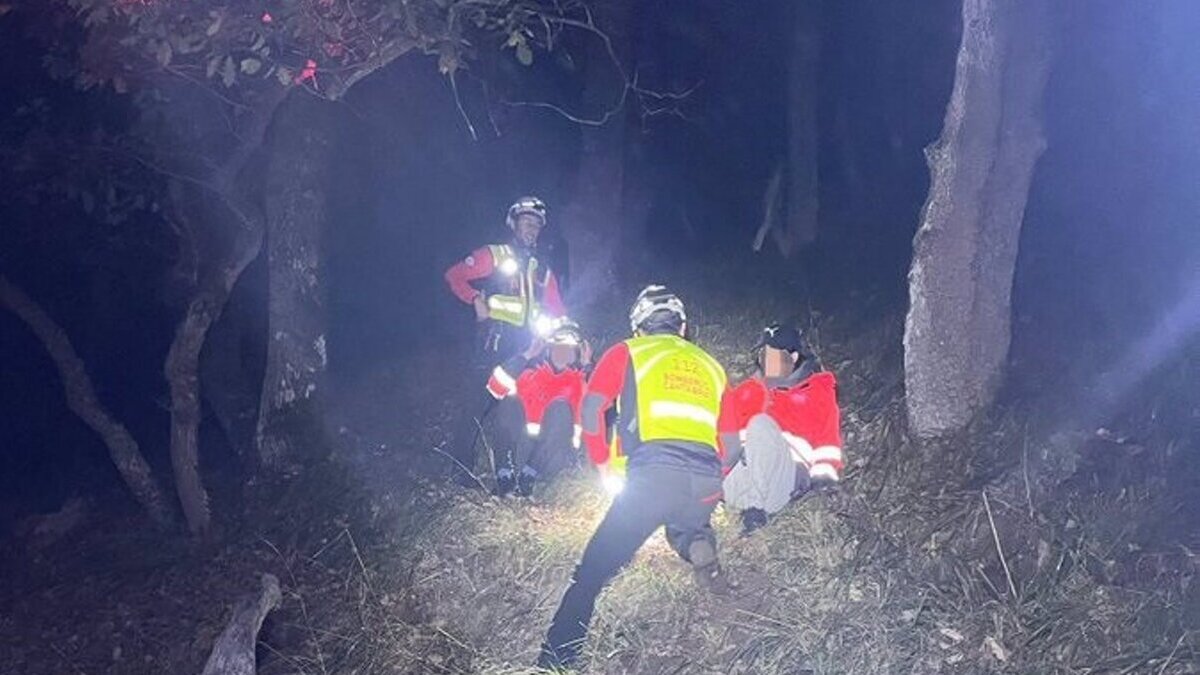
[[520, 309], [679, 389]]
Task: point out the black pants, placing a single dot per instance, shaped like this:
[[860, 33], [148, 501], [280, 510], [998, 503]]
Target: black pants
[[495, 342], [549, 452], [654, 496]]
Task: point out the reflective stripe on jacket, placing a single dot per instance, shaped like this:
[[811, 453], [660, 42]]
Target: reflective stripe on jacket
[[537, 385], [807, 413]]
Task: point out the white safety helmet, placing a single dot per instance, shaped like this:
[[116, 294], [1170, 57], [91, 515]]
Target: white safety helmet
[[566, 333], [651, 302], [525, 205]]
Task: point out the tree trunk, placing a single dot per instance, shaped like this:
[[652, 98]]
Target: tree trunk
[[801, 193], [297, 180], [231, 364], [592, 218], [234, 651], [182, 372], [230, 378], [207, 300], [82, 400], [957, 331]]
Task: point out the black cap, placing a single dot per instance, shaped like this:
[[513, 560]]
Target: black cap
[[781, 336]]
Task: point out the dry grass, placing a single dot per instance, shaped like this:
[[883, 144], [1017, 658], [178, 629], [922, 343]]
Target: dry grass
[[1007, 550]]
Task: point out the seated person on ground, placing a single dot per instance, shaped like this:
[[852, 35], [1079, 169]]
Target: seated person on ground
[[539, 392], [789, 436]]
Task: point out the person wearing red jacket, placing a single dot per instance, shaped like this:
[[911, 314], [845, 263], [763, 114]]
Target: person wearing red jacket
[[511, 291], [789, 426], [539, 392], [667, 393], [507, 285]]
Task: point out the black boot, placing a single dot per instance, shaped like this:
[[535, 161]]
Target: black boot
[[506, 482], [709, 575], [753, 519], [525, 481]]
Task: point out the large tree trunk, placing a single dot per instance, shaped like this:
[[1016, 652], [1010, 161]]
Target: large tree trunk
[[801, 192], [207, 301], [957, 332], [82, 400], [297, 180]]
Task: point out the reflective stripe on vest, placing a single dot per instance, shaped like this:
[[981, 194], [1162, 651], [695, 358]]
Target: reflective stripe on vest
[[679, 388], [520, 309]]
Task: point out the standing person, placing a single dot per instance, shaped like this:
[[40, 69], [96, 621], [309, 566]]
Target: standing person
[[509, 289], [539, 392], [667, 393], [789, 419]]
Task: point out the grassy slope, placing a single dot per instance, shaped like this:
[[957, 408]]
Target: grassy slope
[[386, 571]]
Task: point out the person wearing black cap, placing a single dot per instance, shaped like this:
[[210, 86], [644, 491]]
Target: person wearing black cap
[[789, 436]]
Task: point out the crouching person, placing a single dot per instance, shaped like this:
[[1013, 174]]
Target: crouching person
[[539, 392], [789, 429], [667, 393]]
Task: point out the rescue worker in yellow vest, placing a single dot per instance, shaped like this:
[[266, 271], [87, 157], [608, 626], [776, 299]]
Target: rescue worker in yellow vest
[[667, 393], [510, 289], [507, 285]]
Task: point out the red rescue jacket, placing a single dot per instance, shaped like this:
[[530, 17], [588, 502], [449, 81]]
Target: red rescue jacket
[[806, 412], [537, 384]]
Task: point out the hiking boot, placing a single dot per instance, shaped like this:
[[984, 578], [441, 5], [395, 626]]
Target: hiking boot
[[506, 482], [703, 555], [753, 519], [525, 486]]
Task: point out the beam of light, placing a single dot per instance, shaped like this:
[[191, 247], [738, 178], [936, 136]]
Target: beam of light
[[613, 484], [1168, 336]]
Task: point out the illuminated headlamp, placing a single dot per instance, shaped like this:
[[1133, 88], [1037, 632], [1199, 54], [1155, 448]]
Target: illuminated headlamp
[[613, 484], [509, 266], [544, 326]]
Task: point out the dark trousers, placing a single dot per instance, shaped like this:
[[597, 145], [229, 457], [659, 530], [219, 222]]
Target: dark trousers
[[550, 451], [495, 342], [654, 496]]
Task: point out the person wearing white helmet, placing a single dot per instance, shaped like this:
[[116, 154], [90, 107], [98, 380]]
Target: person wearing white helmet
[[539, 392], [510, 288], [667, 394], [507, 284]]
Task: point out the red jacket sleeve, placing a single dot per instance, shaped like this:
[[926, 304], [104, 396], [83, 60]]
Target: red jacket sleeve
[[478, 265], [552, 298], [603, 388]]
